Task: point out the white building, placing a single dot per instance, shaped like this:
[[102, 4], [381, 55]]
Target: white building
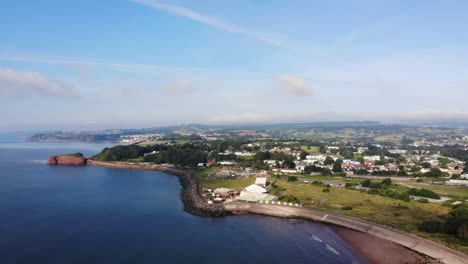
[[457, 182]]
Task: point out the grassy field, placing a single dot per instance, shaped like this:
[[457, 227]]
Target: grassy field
[[236, 184], [311, 149], [450, 191], [398, 214], [393, 138]]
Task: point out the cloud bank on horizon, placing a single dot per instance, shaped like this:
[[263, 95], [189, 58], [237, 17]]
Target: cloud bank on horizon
[[149, 62]]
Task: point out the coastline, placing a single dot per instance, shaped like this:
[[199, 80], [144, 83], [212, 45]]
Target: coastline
[[377, 244], [376, 250], [191, 189]]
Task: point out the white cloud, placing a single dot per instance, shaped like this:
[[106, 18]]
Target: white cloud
[[19, 83], [294, 85], [274, 39]]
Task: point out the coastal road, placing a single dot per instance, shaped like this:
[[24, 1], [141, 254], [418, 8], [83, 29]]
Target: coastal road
[[418, 244]]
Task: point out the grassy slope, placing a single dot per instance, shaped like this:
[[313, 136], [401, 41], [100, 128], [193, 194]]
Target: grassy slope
[[402, 215]]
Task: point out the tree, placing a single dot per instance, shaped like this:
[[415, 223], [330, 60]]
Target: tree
[[465, 170], [387, 181], [289, 164], [327, 172], [328, 161], [337, 166], [434, 173], [292, 178], [426, 165], [303, 155]]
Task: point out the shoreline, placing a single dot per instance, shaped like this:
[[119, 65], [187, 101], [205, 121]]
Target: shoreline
[[376, 250], [386, 244], [191, 189]]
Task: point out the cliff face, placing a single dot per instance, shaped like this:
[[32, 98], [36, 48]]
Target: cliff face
[[68, 160]]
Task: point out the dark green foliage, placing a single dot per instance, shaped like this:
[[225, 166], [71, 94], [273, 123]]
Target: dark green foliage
[[457, 222], [387, 181], [434, 173], [430, 226], [121, 153], [347, 207], [328, 161], [292, 178], [337, 166], [373, 191], [327, 172], [318, 183], [366, 183], [426, 165], [424, 193], [312, 168], [326, 190], [289, 199], [184, 155], [423, 200]]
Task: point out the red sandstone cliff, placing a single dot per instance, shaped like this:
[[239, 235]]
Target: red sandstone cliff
[[68, 160]]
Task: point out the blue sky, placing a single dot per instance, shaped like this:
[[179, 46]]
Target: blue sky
[[107, 64]]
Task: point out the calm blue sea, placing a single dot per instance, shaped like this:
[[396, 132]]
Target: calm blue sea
[[100, 215]]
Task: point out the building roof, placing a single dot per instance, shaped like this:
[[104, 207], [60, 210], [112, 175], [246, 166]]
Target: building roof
[[255, 189], [253, 197], [261, 181]]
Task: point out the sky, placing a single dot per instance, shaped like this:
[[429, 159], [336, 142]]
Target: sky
[[83, 64]]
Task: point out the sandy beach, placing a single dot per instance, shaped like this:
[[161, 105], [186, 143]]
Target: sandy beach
[[379, 251]]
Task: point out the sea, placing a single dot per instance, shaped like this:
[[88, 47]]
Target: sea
[[65, 215]]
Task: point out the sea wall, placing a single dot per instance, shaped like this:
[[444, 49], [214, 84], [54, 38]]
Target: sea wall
[[407, 240], [192, 197]]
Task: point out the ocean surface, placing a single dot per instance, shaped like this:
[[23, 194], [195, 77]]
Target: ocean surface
[[101, 215]]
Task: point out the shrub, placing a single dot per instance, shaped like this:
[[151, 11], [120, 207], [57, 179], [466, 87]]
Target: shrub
[[430, 226], [397, 214], [424, 193], [373, 191], [423, 200], [347, 207], [292, 178], [326, 190]]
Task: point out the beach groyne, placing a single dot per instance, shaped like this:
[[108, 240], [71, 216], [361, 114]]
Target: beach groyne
[[413, 242], [192, 197]]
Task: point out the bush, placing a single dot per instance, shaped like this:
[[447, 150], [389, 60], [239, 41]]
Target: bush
[[373, 191], [318, 183], [289, 199], [387, 181], [347, 207], [397, 214], [424, 193], [292, 178], [430, 226], [423, 200], [326, 190]]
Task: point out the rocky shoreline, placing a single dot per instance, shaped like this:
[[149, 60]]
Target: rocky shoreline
[[192, 198]]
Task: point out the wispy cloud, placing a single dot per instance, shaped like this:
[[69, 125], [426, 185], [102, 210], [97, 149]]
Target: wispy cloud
[[140, 68], [274, 39], [20, 83], [294, 85]]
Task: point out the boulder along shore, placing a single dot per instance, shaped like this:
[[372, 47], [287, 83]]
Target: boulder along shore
[[192, 198]]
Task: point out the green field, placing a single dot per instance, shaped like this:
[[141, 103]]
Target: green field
[[311, 149], [394, 213]]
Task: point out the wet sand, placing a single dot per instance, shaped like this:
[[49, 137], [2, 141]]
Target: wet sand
[[379, 251]]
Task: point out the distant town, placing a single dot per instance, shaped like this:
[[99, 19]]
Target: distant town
[[410, 178]]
